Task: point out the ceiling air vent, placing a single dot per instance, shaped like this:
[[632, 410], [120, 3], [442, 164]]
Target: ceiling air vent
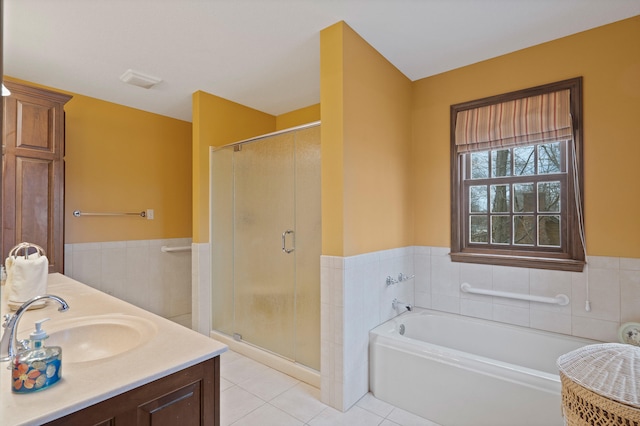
[[139, 79]]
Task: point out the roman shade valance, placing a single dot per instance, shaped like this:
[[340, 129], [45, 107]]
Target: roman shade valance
[[521, 121]]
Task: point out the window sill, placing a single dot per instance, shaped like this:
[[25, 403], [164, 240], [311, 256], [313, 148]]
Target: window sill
[[556, 264]]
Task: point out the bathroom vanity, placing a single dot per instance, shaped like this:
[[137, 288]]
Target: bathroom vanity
[[120, 365]]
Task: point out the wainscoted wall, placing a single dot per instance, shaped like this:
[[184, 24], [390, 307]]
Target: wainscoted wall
[[355, 298], [201, 303], [137, 272]]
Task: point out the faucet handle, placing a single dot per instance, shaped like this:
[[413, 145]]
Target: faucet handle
[[23, 345], [6, 318]]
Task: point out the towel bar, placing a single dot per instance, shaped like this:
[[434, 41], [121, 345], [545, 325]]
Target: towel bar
[[78, 213]]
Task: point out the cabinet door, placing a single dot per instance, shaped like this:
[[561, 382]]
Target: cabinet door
[[33, 171], [190, 397]]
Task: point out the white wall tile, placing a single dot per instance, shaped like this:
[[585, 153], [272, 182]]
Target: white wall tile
[[480, 276], [549, 284], [325, 285], [606, 331], [445, 303], [338, 363], [137, 272], [603, 262], [356, 384], [423, 299], [327, 364], [604, 294], [511, 315], [422, 271], [113, 258], [326, 322], [68, 259], [360, 300], [201, 287], [87, 264], [630, 295], [515, 280], [338, 324], [337, 282], [556, 322], [477, 276], [630, 264], [440, 251], [445, 276], [475, 308]]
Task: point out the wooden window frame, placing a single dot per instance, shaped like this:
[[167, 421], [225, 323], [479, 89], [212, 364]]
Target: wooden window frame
[[571, 256]]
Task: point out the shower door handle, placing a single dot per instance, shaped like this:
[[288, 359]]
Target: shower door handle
[[284, 241]]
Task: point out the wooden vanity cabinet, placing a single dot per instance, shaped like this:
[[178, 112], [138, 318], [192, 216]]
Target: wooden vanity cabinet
[[188, 397], [33, 171]]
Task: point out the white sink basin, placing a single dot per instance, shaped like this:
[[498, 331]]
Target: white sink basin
[[97, 337]]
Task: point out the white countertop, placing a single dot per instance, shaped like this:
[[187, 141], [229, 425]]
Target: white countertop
[[171, 349]]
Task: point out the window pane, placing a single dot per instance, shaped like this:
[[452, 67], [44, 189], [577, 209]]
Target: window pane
[[524, 199], [524, 161], [549, 197], [478, 199], [524, 232], [500, 229], [478, 230], [500, 199], [480, 165], [501, 163], [549, 231], [549, 158]]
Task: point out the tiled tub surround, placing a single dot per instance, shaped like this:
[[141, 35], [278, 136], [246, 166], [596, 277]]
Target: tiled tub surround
[[137, 272], [355, 299]]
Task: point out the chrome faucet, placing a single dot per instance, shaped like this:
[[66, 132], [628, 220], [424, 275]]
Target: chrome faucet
[[9, 341], [397, 305]]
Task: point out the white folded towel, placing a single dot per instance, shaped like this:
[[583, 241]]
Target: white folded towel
[[26, 277]]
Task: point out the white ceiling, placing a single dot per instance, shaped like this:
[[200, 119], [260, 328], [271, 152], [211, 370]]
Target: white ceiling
[[265, 53]]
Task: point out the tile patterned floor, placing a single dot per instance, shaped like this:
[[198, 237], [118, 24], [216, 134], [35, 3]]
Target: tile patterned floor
[[253, 394]]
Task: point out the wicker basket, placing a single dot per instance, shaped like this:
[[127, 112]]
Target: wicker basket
[[599, 385], [581, 407]]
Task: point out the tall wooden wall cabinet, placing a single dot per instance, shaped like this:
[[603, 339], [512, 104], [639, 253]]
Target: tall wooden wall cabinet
[[33, 171]]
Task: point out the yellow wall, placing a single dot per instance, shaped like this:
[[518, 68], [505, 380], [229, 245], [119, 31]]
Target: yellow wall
[[298, 117], [123, 159], [609, 60], [366, 140], [331, 137]]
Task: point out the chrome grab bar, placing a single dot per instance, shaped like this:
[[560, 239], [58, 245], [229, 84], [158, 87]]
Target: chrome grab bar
[[284, 241]]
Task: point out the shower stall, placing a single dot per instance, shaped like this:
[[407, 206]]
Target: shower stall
[[266, 243]]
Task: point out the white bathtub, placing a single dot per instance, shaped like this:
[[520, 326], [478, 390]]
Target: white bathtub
[[459, 371]]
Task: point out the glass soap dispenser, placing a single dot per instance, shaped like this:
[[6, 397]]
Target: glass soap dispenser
[[38, 366]]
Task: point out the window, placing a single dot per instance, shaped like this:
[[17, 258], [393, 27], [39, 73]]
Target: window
[[516, 179]]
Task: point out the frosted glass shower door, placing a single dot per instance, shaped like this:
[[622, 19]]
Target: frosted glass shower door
[[264, 260]]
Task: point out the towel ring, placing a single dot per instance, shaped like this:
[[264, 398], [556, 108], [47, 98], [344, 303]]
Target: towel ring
[[14, 252]]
